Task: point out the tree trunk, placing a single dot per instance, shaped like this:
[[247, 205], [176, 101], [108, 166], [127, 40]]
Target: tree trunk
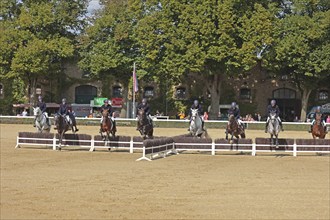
[[214, 86], [305, 93], [32, 93]]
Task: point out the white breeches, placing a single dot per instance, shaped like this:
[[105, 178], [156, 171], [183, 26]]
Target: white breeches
[[322, 122], [278, 118]]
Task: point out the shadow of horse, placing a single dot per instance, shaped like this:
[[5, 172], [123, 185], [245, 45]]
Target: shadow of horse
[[62, 127], [234, 129], [145, 127], [318, 130], [107, 127]]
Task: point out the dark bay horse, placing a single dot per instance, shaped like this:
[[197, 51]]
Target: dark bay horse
[[273, 128], [107, 126], [234, 129], [62, 127], [145, 127], [318, 129]]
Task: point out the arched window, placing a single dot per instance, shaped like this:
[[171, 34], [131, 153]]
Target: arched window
[[85, 93], [180, 93], [117, 92], [245, 93], [284, 93], [148, 92], [323, 95]]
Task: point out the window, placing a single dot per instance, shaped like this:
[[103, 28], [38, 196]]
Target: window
[[148, 91], [284, 93], [323, 95], [117, 92], [180, 93], [85, 93], [245, 94]]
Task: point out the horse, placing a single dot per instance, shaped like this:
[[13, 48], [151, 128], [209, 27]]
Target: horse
[[41, 121], [318, 129], [195, 127], [145, 127], [234, 129], [107, 126], [273, 128], [62, 127]]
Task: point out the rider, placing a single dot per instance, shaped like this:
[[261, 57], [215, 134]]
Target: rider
[[64, 111], [106, 106], [198, 106], [234, 110], [318, 112], [273, 108], [42, 105], [145, 106]]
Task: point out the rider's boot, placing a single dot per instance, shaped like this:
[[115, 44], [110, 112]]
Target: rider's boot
[[311, 129], [203, 128], [266, 127], [34, 122]]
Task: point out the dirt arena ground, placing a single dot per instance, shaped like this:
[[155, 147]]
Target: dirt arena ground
[[38, 183]]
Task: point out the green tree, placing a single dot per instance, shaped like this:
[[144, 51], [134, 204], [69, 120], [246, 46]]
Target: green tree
[[301, 49], [36, 36], [212, 38]]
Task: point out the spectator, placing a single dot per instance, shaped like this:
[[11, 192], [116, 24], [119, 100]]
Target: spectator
[[328, 119], [182, 115], [206, 116], [24, 113]]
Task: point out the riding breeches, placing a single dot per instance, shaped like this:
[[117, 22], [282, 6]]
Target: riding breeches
[[239, 121]]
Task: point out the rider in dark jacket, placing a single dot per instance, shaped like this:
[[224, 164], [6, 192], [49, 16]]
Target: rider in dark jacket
[[42, 105], [145, 106], [64, 111], [273, 108], [198, 106], [107, 106], [234, 110], [318, 112]]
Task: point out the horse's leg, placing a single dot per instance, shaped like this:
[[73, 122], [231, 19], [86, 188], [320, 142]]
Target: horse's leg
[[276, 136], [226, 133], [271, 140]]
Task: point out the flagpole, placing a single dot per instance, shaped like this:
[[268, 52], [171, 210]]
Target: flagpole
[[133, 91]]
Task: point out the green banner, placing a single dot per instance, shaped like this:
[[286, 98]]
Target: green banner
[[98, 102]]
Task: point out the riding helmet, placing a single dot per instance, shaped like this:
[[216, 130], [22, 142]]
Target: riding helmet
[[106, 101], [144, 101], [40, 98], [64, 100], [318, 108], [233, 104], [196, 102], [273, 102]]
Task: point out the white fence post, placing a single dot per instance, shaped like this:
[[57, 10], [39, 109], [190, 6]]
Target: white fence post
[[295, 148], [254, 149], [17, 144], [92, 145], [213, 147], [54, 142], [131, 145]]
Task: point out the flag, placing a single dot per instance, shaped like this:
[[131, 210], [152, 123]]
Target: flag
[[135, 81]]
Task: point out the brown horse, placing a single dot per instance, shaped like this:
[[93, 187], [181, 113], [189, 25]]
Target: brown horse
[[145, 127], [62, 126], [318, 130], [107, 126], [234, 129]]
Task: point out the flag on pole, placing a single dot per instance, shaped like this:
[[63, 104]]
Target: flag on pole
[[135, 81]]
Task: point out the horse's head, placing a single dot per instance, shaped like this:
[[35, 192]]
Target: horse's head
[[194, 113], [272, 116], [231, 118], [36, 111], [105, 113]]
